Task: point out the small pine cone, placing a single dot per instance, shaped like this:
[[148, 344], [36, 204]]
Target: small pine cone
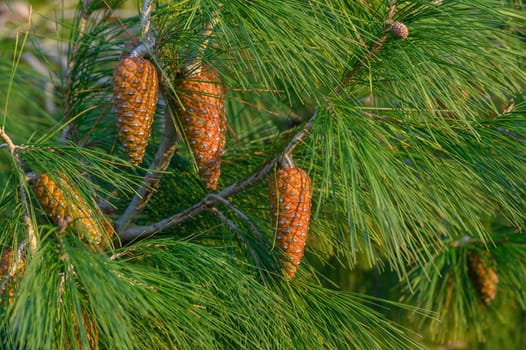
[[203, 119], [64, 206], [135, 98], [6, 263], [290, 206], [399, 30], [481, 269]]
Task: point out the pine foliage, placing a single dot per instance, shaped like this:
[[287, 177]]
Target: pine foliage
[[407, 116]]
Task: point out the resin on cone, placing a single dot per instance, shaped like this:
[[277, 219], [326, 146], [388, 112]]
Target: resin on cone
[[135, 85], [64, 206], [202, 117], [481, 269], [290, 206]]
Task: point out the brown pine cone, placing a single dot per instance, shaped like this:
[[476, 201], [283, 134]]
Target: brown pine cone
[[481, 268], [290, 206], [399, 30], [135, 85], [202, 116], [63, 204]]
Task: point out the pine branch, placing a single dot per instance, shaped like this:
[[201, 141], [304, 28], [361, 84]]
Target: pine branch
[[14, 150], [147, 35], [211, 200], [373, 50]]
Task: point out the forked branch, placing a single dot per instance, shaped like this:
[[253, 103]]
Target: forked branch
[[212, 200]]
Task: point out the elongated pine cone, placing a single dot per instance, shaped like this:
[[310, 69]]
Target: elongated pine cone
[[290, 206], [481, 268], [202, 116], [135, 85], [64, 206], [6, 263]]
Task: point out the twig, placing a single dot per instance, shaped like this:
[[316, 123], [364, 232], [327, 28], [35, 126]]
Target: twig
[[147, 35], [237, 232], [462, 241], [162, 159], [376, 47], [211, 200], [509, 108], [14, 267], [390, 14], [242, 215], [13, 149], [194, 64]]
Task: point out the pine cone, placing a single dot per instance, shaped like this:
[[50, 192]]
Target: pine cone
[[63, 204], [203, 119], [6, 262], [399, 30], [290, 206], [481, 268], [135, 98]]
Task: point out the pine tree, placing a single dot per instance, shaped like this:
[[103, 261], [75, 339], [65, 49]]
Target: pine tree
[[406, 121]]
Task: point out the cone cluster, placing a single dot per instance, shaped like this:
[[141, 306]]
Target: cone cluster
[[481, 267], [290, 206], [399, 30], [135, 85], [64, 206], [202, 116]]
